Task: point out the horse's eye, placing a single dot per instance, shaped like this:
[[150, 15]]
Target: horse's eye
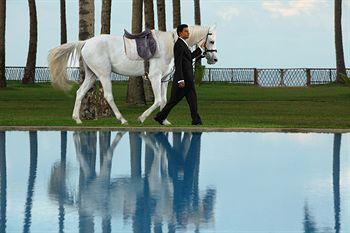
[[212, 42]]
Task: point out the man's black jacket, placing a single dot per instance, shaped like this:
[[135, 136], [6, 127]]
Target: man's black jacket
[[183, 62]]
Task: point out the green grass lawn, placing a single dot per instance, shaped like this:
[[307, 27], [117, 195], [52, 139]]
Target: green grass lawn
[[220, 105]]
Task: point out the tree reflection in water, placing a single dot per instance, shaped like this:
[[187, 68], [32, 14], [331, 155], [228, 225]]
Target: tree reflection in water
[[3, 182], [309, 222]]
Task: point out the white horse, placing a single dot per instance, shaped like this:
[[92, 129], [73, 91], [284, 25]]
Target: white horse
[[104, 54]]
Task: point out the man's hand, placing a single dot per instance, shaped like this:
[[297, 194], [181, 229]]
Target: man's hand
[[181, 84], [203, 45]]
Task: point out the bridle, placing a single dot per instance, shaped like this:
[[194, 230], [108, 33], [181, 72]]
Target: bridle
[[206, 42]]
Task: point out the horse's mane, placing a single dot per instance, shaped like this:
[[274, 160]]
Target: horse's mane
[[197, 33]]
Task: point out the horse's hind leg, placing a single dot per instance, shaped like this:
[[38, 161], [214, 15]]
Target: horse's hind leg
[[108, 94], [83, 89]]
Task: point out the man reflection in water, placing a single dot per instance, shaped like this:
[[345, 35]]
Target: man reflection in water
[[183, 168]]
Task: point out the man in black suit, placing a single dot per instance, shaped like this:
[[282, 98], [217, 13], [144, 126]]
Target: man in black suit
[[183, 82]]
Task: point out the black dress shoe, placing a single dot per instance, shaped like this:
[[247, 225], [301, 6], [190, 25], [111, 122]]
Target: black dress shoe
[[197, 123], [157, 119]]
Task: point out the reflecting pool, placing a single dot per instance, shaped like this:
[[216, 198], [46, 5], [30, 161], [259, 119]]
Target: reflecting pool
[[53, 181]]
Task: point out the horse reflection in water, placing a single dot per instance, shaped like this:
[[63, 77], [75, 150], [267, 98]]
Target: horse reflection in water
[[167, 194]]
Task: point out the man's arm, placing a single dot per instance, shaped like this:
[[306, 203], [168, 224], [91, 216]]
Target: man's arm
[[196, 52], [178, 54]]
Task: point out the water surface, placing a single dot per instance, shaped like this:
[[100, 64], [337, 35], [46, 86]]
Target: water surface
[[174, 182]]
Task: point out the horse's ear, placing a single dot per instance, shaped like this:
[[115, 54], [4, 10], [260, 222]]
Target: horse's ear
[[213, 27]]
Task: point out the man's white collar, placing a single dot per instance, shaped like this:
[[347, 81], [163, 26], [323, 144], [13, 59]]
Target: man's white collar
[[183, 41]]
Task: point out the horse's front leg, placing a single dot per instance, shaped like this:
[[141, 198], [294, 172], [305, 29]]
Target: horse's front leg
[[164, 89], [156, 87]]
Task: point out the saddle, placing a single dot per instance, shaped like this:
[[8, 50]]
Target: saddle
[[146, 45], [141, 46]]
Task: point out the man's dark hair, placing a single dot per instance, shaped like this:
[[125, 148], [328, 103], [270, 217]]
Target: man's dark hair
[[180, 28]]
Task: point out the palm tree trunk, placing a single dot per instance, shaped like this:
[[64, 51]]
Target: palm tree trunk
[[2, 43], [149, 14], [106, 16], [29, 72], [104, 109], [197, 12], [149, 23], [197, 21], [176, 13], [86, 30], [63, 22], [161, 15], [135, 94], [339, 40]]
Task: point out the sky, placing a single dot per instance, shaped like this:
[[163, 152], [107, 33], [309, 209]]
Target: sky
[[250, 33]]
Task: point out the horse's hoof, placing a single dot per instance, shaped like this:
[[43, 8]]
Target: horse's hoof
[[140, 119], [166, 122], [78, 121], [125, 123]]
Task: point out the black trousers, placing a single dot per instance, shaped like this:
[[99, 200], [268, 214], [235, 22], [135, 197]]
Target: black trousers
[[177, 95]]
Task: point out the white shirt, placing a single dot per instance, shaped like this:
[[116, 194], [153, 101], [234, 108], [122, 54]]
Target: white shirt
[[183, 41], [189, 48]]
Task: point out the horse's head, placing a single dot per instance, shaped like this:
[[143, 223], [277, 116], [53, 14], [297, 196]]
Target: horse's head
[[211, 51]]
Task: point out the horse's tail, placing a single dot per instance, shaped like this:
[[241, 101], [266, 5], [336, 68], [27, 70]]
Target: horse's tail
[[58, 59]]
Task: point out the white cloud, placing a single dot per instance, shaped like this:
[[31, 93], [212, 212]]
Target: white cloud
[[292, 7], [228, 12]]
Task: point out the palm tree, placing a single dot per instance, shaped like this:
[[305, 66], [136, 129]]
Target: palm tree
[[149, 14], [197, 21], [339, 52], [176, 13], [106, 17], [86, 31], [86, 19], [149, 23], [2, 43], [197, 12], [135, 94], [63, 22], [104, 108], [29, 72], [161, 15]]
